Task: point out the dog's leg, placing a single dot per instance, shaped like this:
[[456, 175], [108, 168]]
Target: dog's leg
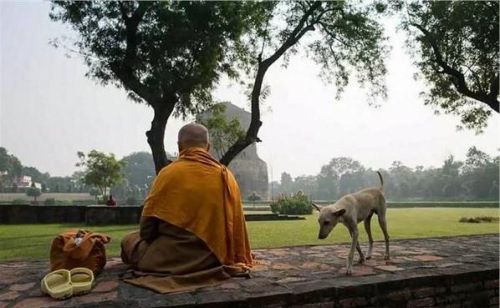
[[383, 226], [370, 238], [361, 256], [354, 234]]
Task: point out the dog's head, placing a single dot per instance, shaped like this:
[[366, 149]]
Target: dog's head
[[328, 219]]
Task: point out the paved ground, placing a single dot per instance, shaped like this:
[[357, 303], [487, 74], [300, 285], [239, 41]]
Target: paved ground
[[280, 272]]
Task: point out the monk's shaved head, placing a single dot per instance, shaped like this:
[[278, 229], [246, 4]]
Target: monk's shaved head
[[192, 135]]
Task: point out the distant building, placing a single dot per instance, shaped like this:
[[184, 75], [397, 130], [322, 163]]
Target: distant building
[[25, 181], [248, 168]]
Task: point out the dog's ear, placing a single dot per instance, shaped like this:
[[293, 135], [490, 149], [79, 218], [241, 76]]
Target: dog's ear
[[316, 206], [339, 212]]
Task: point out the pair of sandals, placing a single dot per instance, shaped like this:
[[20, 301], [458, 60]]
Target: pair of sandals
[[62, 284]]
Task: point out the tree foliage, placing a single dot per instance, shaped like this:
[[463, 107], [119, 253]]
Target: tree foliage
[[139, 170], [10, 167], [343, 37], [100, 170], [476, 178], [171, 54], [456, 48], [33, 192], [168, 54]]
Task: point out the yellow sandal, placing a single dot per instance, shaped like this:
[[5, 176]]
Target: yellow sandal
[[82, 279], [57, 284]]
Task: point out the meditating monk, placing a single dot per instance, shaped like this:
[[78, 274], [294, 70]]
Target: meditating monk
[[192, 229]]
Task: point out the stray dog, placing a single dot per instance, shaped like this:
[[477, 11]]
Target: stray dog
[[351, 210]]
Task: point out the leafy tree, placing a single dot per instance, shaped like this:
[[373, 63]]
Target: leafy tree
[[327, 183], [286, 182], [139, 169], [171, 54], [167, 54], [95, 192], [342, 165], [398, 182], [305, 185], [475, 179], [349, 39], [33, 192], [450, 173], [455, 44], [476, 158], [100, 170], [57, 183], [10, 167], [481, 174]]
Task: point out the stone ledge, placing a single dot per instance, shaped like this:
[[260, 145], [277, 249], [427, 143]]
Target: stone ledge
[[459, 272]]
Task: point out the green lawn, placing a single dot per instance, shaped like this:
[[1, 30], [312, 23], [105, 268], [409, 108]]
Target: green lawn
[[18, 242]]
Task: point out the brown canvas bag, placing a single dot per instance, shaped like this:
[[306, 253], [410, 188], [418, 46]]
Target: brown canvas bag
[[79, 248]]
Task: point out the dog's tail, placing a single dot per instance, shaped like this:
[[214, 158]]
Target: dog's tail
[[381, 180]]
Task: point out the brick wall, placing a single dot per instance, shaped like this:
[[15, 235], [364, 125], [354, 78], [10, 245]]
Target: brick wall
[[471, 289]]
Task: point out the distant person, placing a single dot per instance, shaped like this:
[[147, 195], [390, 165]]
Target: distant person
[[192, 229], [111, 201]]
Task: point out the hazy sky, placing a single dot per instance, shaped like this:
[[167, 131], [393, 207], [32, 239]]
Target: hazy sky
[[49, 110]]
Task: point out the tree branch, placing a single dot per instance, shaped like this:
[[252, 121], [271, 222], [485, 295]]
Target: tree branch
[[494, 87], [124, 70], [458, 78], [255, 123], [296, 34]]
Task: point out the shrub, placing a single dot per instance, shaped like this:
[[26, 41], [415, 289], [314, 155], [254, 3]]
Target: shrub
[[477, 220], [297, 204], [50, 201]]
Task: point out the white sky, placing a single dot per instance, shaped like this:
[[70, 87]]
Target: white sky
[[49, 110]]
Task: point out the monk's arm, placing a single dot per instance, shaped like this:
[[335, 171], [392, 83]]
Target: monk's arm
[[149, 228]]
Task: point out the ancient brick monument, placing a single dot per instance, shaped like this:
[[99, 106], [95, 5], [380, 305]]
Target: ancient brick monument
[[249, 169]]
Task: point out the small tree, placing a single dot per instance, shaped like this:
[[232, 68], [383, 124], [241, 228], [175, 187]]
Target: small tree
[[100, 170], [94, 192], [34, 192]]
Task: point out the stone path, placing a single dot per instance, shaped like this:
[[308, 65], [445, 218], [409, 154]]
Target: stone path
[[284, 276]]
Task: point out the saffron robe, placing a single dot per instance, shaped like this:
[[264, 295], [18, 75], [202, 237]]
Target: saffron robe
[[193, 230]]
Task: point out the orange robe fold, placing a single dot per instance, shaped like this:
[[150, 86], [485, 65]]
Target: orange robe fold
[[200, 195]]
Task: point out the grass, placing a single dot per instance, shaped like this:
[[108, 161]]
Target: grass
[[24, 242]]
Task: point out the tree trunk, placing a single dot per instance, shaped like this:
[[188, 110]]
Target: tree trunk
[[156, 135], [493, 104], [255, 123]]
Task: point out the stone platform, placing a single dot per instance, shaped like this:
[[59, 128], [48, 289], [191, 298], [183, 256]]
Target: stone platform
[[451, 272]]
